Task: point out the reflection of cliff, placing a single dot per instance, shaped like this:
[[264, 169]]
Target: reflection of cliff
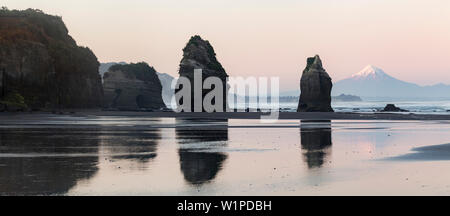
[[46, 161], [315, 141], [138, 146], [198, 161]]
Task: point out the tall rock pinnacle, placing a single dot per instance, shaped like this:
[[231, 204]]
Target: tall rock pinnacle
[[199, 54], [315, 87]]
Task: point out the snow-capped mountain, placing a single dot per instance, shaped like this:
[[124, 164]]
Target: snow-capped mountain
[[374, 82], [371, 72]]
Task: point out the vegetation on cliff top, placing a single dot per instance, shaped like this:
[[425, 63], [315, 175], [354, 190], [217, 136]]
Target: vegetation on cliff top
[[141, 71], [32, 24], [197, 41], [14, 99]]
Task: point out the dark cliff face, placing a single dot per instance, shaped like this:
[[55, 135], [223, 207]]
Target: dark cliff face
[[199, 54], [315, 87], [132, 87], [41, 61]]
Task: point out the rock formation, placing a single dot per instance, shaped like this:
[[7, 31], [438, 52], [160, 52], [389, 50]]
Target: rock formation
[[132, 87], [315, 88], [104, 67], [165, 79], [41, 62], [199, 54], [393, 108]]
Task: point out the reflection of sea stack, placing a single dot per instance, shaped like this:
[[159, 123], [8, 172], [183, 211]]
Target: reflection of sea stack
[[138, 146], [315, 141], [315, 87], [197, 164], [199, 54], [132, 86]]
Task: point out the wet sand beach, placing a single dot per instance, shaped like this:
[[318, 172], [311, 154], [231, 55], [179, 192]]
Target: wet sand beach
[[83, 154], [242, 115], [290, 115]]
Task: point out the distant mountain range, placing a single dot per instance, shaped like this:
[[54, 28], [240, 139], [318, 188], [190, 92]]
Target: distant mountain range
[[339, 98], [374, 82], [167, 91]]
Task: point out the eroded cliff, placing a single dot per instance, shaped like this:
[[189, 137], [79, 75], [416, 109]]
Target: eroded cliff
[[40, 61]]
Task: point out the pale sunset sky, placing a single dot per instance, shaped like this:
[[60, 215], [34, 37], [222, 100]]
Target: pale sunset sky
[[408, 39]]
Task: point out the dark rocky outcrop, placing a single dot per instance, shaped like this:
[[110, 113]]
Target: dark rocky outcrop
[[199, 54], [132, 87], [393, 108], [41, 62], [315, 87], [165, 79]]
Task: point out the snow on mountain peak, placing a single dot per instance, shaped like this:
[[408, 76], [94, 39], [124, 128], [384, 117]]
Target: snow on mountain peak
[[369, 71]]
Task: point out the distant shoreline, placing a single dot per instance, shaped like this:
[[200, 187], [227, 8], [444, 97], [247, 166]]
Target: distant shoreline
[[240, 115]]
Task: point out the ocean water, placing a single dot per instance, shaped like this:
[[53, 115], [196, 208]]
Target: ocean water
[[125, 155], [424, 107], [369, 106]]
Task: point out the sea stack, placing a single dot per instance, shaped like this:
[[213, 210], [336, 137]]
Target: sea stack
[[132, 87], [199, 54], [315, 87], [41, 63]]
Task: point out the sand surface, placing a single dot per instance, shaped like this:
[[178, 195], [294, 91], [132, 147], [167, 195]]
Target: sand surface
[[249, 115], [136, 154]]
